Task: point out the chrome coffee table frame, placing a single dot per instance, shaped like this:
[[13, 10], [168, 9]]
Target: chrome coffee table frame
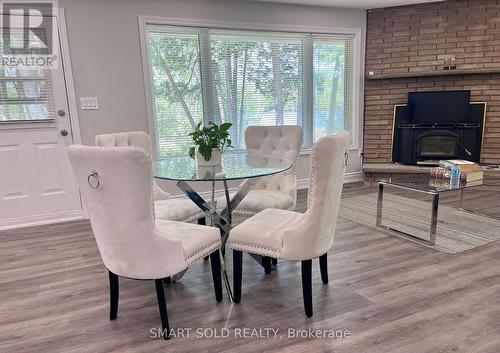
[[423, 185], [434, 212]]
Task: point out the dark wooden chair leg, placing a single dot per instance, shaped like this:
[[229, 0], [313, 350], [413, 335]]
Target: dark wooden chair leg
[[203, 222], [216, 274], [266, 263], [274, 261], [237, 274], [113, 295], [323, 267], [162, 305], [307, 287]]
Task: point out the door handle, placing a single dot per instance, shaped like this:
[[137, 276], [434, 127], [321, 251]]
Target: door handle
[[64, 132]]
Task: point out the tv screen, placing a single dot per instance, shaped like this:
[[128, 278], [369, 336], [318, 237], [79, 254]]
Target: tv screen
[[438, 107]]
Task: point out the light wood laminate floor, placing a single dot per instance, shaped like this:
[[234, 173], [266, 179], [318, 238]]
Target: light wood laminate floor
[[391, 294]]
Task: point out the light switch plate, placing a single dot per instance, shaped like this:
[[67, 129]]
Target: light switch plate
[[89, 103]]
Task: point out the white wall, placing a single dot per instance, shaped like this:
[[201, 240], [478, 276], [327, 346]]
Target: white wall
[[106, 58]]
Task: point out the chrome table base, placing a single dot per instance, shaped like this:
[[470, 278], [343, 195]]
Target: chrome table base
[[221, 220], [178, 276], [435, 207]]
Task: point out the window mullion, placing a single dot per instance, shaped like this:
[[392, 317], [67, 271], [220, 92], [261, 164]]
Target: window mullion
[[349, 89], [206, 76], [307, 90]]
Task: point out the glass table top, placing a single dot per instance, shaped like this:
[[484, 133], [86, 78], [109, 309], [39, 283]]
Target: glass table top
[[427, 183], [234, 166]]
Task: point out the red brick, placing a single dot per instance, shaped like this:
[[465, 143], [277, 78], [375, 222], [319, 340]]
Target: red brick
[[414, 39]]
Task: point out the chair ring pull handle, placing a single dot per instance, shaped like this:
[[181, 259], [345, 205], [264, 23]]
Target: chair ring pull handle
[[93, 176]]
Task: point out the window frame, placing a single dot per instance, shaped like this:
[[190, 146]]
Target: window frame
[[202, 27]]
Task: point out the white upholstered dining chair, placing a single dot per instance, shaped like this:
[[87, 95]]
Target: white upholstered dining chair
[[116, 192], [178, 209], [295, 236], [275, 191]]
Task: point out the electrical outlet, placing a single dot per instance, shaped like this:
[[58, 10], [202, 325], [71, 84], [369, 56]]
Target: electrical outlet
[[87, 103]]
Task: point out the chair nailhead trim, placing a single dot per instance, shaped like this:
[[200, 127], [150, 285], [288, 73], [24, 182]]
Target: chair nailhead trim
[[189, 260], [273, 251]]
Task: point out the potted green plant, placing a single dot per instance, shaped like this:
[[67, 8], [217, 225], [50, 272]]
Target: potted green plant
[[209, 142]]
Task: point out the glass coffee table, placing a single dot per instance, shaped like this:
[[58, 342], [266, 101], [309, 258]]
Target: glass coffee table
[[431, 186]]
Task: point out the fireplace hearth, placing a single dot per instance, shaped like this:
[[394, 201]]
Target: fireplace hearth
[[424, 135]]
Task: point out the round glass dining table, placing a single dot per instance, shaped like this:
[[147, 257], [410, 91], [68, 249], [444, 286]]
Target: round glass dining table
[[234, 166], [247, 167]]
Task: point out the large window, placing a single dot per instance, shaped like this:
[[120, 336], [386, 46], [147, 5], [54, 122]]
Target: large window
[[247, 78]]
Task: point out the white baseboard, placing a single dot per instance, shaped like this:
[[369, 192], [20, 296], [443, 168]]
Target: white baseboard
[[302, 184], [356, 177], [41, 220], [70, 216], [348, 178]]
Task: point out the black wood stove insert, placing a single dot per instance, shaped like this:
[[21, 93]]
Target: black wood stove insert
[[438, 125]]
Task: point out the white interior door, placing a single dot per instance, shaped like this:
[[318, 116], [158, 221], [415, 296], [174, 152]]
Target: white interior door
[[36, 180]]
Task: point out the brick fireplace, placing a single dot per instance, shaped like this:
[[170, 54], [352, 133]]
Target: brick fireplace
[[406, 50]]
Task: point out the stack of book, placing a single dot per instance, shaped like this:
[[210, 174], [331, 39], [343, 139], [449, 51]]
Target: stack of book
[[469, 171]]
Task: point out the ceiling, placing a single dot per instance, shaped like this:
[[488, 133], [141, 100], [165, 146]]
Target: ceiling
[[361, 4]]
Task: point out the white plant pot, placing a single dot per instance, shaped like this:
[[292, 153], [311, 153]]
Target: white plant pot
[[214, 161], [208, 172]]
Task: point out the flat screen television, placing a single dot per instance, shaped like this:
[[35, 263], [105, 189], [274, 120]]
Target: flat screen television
[[449, 107]]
